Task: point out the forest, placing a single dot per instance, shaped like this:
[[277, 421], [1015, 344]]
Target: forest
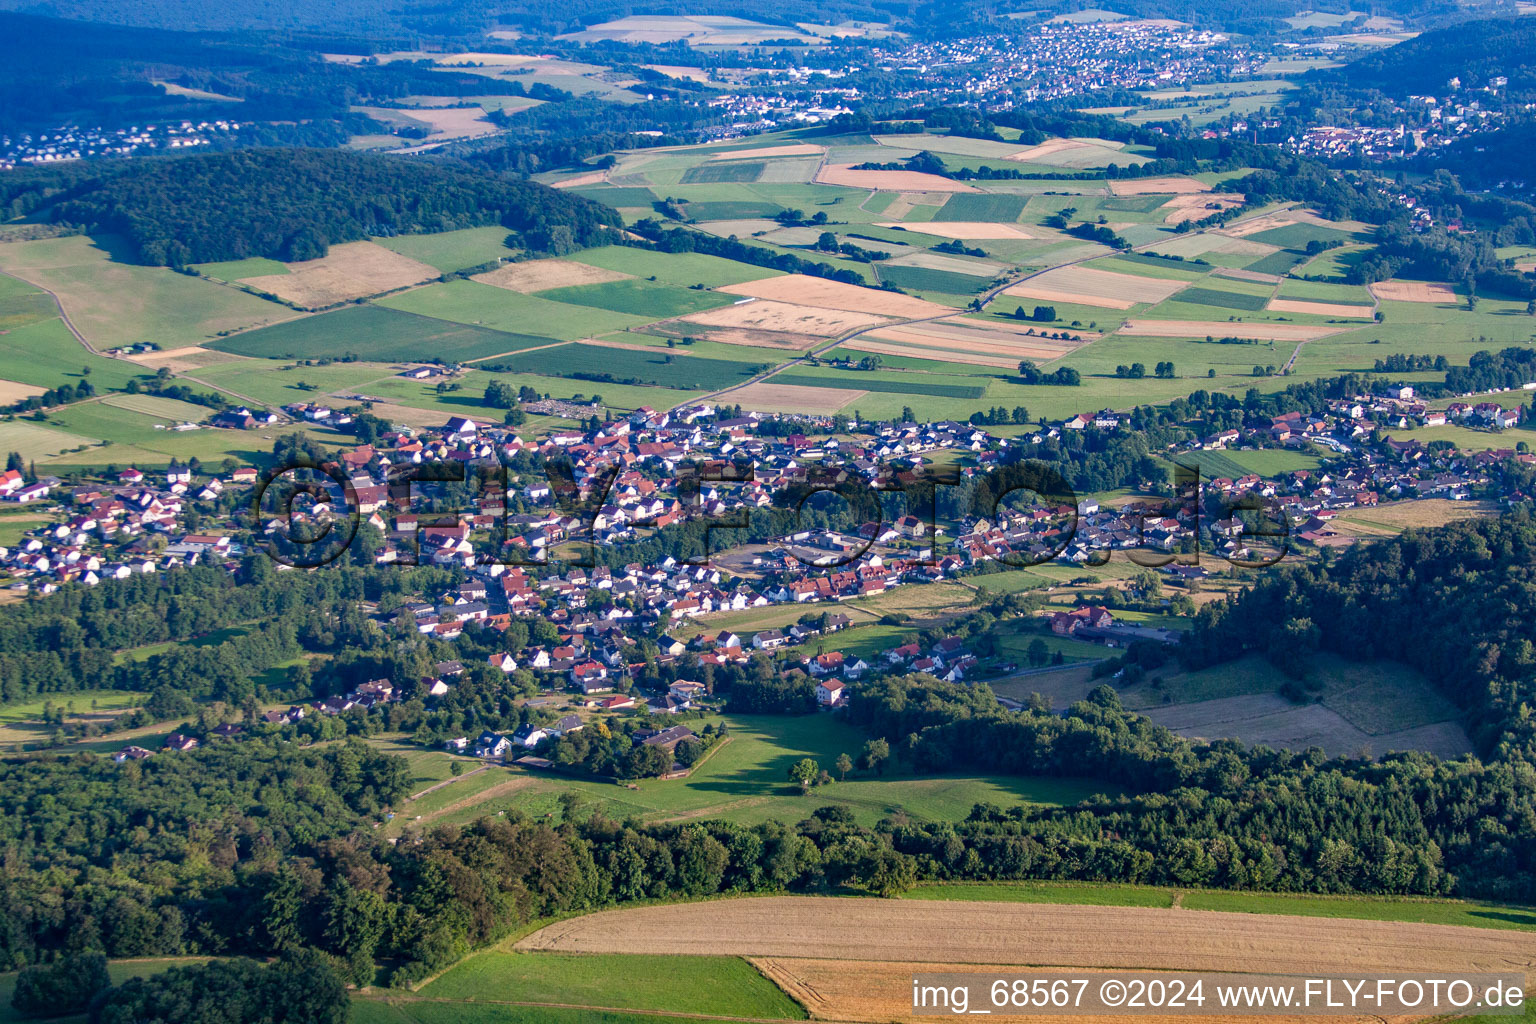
[[292, 204]]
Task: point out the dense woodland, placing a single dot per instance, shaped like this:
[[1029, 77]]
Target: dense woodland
[[292, 204]]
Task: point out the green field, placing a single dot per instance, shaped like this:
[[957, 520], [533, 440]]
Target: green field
[[647, 299], [1222, 298], [678, 268], [408, 1011], [510, 313], [908, 384], [1296, 236], [725, 170], [452, 250], [1276, 262], [982, 206], [723, 985], [379, 333], [654, 366], [921, 279], [114, 301], [1378, 908], [1078, 893]]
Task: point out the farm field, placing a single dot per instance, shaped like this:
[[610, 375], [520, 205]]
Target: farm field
[[722, 985], [1352, 708], [377, 332], [114, 302], [974, 932], [484, 306], [448, 251], [355, 270]]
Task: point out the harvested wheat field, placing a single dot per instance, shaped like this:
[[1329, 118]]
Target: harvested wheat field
[[953, 339], [766, 396], [877, 992], [785, 340], [1413, 291], [11, 392], [1050, 148], [889, 181], [1197, 206], [795, 149], [1093, 287], [590, 178], [1258, 331], [354, 270], [964, 230], [785, 317], [1319, 308], [817, 291], [537, 275], [1156, 186], [188, 357], [1055, 935], [904, 203]]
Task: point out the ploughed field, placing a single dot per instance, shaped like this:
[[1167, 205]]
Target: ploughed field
[[852, 959]]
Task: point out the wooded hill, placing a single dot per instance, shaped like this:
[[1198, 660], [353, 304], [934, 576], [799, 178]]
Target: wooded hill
[[292, 204]]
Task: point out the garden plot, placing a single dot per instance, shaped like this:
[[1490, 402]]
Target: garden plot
[[354, 270], [816, 291], [539, 275], [1089, 286]]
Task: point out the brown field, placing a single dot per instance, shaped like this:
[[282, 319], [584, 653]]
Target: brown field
[[699, 75], [876, 992], [537, 275], [1095, 287], [1029, 290], [1278, 219], [889, 181], [1319, 308], [1156, 186], [354, 270], [445, 122], [1427, 512], [1225, 329], [1413, 291], [961, 229], [766, 396], [11, 391], [188, 357], [965, 932], [592, 178], [816, 291], [794, 149], [1050, 148], [784, 317], [1197, 206], [967, 341]]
